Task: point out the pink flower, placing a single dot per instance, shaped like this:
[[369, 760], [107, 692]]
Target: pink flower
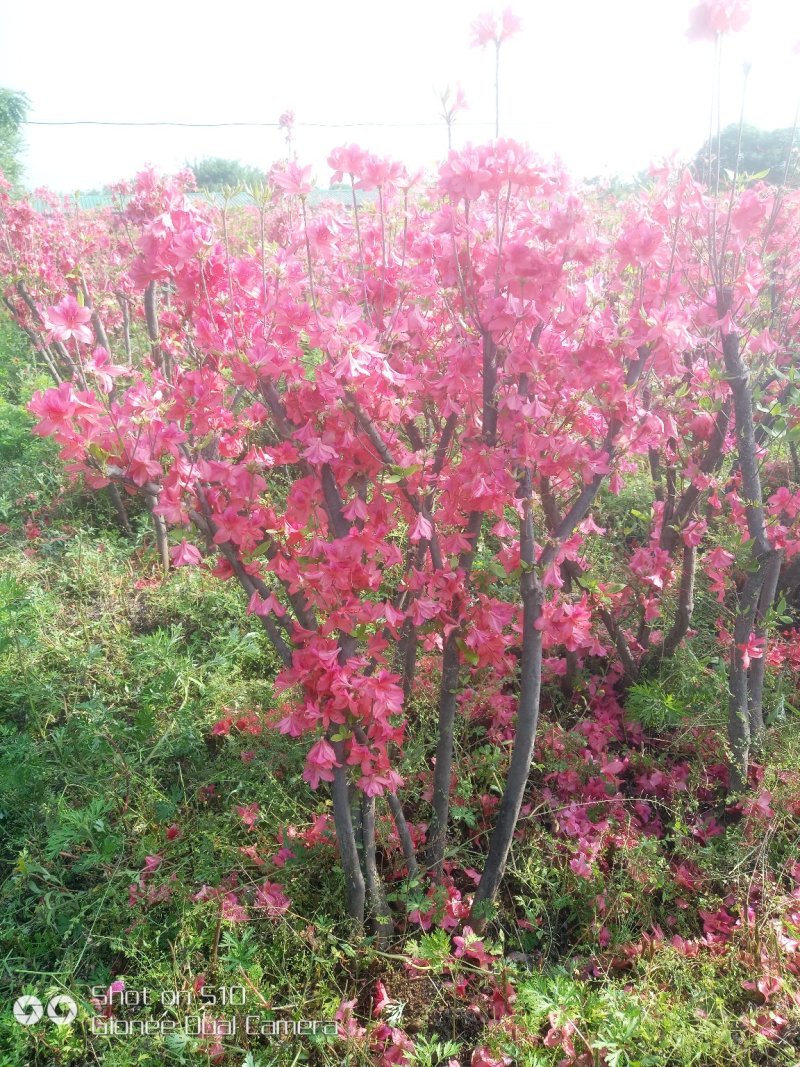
[[272, 899], [105, 1003], [185, 555], [749, 213], [248, 814], [251, 851], [295, 179], [482, 1057], [421, 529], [54, 408], [380, 999], [711, 17], [759, 807], [259, 605], [693, 532], [317, 452], [232, 910], [151, 864], [103, 369], [489, 27], [754, 649], [320, 762], [702, 426], [68, 319], [581, 867]]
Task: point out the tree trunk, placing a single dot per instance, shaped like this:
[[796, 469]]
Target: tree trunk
[[381, 915], [345, 836], [532, 595], [448, 693], [759, 588], [448, 698], [159, 526], [738, 709], [119, 510], [772, 570]]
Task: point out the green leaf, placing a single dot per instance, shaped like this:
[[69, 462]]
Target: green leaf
[[469, 655]]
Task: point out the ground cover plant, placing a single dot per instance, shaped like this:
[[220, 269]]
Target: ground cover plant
[[399, 616]]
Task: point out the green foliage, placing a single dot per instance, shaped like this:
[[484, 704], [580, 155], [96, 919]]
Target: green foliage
[[13, 111], [430, 1052], [762, 153], [214, 174]]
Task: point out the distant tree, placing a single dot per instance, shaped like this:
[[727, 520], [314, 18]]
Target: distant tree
[[215, 173], [13, 110], [760, 150]]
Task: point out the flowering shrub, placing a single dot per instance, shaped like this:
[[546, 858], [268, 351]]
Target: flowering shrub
[[343, 418], [358, 414]]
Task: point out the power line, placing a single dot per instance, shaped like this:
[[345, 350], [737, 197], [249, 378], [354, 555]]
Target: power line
[[269, 125]]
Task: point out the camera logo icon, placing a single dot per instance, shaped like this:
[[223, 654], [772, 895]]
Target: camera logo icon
[[61, 1010], [28, 1010]]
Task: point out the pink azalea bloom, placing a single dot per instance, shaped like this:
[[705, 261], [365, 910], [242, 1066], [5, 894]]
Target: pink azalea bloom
[[749, 213], [581, 867], [151, 864], [348, 1024], [482, 1057], [694, 532], [68, 319], [295, 179], [317, 452], [54, 408], [272, 899], [143, 469], [421, 529], [248, 814], [259, 605], [232, 910], [380, 999], [320, 762], [105, 1004], [281, 857], [185, 555], [251, 851], [759, 807], [754, 649], [489, 27], [711, 17], [103, 369]]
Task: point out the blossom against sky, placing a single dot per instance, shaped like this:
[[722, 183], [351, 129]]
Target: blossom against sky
[[608, 86]]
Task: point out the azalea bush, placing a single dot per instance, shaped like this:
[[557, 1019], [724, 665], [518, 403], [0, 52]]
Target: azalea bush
[[352, 414], [472, 447]]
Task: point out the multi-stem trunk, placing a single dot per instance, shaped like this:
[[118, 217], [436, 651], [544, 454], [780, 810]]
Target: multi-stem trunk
[[451, 658], [532, 597], [755, 696], [151, 491], [759, 589]]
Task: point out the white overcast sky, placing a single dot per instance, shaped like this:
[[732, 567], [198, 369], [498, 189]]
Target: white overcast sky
[[607, 85]]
